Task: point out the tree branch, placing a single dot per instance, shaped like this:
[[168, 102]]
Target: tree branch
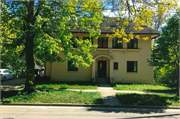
[[25, 4], [38, 10]]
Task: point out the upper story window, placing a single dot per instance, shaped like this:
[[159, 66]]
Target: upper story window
[[71, 67], [102, 42], [84, 38], [73, 40], [115, 43], [133, 44]]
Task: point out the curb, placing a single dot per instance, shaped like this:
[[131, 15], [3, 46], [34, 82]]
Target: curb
[[91, 105]]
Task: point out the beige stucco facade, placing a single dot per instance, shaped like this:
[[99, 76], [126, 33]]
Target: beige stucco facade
[[59, 72]]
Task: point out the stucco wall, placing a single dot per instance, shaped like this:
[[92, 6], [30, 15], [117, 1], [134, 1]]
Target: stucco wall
[[144, 73], [60, 72]]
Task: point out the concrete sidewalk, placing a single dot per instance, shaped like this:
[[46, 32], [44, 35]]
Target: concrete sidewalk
[[109, 97]]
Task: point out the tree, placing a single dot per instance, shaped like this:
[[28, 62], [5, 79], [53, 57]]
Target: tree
[[165, 55], [135, 13], [43, 27]]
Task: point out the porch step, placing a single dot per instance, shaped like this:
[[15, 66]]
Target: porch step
[[102, 81]]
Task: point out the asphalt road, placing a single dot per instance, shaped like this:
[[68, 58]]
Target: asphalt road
[[14, 82], [66, 112]]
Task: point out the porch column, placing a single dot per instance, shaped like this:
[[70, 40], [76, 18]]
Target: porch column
[[93, 69], [111, 69]]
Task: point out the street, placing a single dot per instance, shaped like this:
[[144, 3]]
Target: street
[[70, 112], [14, 82]]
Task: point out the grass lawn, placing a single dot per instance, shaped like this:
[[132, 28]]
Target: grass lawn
[[148, 99], [53, 96], [144, 87], [64, 85]]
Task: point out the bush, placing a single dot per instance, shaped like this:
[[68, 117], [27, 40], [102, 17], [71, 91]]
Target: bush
[[39, 78], [166, 75]]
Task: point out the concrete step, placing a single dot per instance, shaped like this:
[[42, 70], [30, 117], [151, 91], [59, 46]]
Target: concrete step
[[102, 81]]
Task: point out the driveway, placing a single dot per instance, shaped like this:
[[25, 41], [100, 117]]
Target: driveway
[[12, 84]]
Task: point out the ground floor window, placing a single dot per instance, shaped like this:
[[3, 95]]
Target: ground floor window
[[131, 66], [115, 65], [71, 67]]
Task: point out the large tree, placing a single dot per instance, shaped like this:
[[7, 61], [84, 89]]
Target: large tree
[[165, 54], [43, 27]]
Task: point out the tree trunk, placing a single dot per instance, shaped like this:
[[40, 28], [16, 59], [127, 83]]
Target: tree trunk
[[29, 86]]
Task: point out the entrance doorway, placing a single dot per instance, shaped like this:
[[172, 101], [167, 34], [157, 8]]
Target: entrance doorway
[[102, 69]]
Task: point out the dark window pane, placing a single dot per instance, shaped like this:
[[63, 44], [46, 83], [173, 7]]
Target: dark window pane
[[102, 42], [133, 44], [115, 65], [71, 67], [116, 44], [131, 66]]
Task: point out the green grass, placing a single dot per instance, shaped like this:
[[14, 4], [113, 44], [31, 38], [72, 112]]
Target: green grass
[[65, 86], [52, 96], [148, 99], [143, 87]]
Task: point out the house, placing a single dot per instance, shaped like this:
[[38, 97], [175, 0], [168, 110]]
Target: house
[[114, 62]]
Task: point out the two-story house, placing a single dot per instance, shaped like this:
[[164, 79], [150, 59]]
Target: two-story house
[[114, 62]]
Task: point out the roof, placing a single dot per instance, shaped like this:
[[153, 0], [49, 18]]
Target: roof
[[146, 30]]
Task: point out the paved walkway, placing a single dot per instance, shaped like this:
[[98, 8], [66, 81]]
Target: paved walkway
[[108, 95]]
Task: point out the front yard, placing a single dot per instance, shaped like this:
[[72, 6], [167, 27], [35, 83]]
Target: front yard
[[63, 85], [144, 87], [148, 99], [53, 96]]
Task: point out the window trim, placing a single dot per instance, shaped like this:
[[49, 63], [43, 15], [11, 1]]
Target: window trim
[[68, 69], [133, 67], [102, 42]]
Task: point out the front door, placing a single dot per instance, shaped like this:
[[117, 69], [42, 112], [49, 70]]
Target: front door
[[101, 68]]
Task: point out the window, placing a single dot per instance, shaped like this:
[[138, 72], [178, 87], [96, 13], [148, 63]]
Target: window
[[133, 44], [71, 67], [115, 65], [131, 66], [102, 42], [115, 43], [73, 40], [84, 38]]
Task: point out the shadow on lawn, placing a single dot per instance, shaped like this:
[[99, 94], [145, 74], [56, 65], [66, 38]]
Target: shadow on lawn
[[7, 94], [146, 99]]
